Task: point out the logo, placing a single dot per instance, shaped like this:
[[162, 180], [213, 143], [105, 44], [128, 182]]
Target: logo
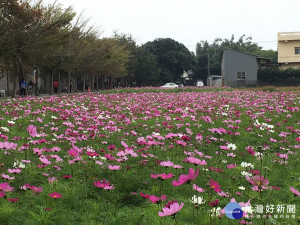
[[233, 211]]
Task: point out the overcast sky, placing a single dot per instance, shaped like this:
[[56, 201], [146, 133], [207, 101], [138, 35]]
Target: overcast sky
[[190, 21]]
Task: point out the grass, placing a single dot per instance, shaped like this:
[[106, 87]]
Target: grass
[[140, 128]]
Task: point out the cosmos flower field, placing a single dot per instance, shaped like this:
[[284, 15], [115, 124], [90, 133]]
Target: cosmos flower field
[[150, 157]]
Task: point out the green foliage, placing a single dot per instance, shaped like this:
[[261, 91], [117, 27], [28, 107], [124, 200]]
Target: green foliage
[[275, 75], [148, 70], [172, 58]]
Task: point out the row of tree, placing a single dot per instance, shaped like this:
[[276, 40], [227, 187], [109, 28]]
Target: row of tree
[[55, 40], [35, 37]]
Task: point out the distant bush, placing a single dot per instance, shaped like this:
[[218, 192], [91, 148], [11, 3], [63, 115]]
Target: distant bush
[[275, 75]]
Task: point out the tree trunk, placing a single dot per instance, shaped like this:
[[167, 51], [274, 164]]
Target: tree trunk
[[111, 82], [15, 84], [83, 85], [91, 81], [102, 82], [51, 82], [68, 81], [36, 83], [7, 83], [97, 82], [59, 85], [75, 83]]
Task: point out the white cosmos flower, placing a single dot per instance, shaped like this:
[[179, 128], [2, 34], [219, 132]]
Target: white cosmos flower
[[256, 123], [231, 146], [215, 211], [242, 188], [245, 173], [5, 129], [197, 200], [244, 164], [18, 164]]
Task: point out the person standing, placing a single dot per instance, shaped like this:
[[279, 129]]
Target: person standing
[[23, 86], [55, 85], [30, 87]]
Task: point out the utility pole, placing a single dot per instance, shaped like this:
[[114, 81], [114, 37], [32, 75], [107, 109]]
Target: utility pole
[[208, 72]]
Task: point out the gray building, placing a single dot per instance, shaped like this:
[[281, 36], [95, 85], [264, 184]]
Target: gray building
[[238, 69]]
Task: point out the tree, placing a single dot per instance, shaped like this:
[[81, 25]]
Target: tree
[[130, 45], [172, 57], [19, 21], [148, 71]]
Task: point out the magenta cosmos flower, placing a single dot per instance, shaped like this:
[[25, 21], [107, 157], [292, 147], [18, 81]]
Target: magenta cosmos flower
[[55, 195], [195, 161], [32, 130], [186, 178], [296, 192], [196, 188], [258, 182], [214, 185], [162, 176], [171, 208]]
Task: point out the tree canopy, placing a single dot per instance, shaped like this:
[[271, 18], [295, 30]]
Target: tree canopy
[[172, 58]]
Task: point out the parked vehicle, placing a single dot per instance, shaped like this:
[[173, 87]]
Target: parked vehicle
[[179, 84], [200, 83], [169, 85]]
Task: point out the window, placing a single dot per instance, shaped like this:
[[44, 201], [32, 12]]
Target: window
[[297, 50], [241, 76]]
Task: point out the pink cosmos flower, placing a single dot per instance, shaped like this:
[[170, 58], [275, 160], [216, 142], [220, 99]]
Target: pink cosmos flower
[[166, 163], [14, 170], [37, 189], [195, 161], [73, 153], [2, 194], [162, 176], [55, 195], [224, 147], [214, 203], [186, 178], [177, 167], [231, 166], [5, 187], [296, 192], [214, 185], [114, 167], [110, 187], [283, 156], [4, 176], [144, 195], [12, 199], [51, 180], [32, 130], [111, 147], [196, 188], [258, 181], [199, 137], [171, 208], [154, 199], [223, 194], [44, 160], [104, 184]]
